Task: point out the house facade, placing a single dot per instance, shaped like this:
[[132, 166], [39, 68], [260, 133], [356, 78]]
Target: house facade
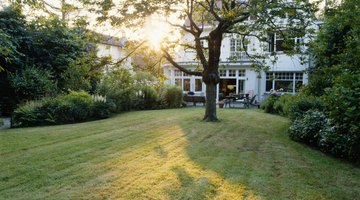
[[237, 74], [115, 48]]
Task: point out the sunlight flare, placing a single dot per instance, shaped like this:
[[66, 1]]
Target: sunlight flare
[[157, 31]]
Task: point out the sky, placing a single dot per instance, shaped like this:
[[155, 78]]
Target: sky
[[155, 30]]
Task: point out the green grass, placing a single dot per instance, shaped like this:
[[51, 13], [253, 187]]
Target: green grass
[[1, 122], [170, 154]]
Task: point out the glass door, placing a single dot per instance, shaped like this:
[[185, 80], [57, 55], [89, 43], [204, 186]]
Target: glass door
[[241, 87]]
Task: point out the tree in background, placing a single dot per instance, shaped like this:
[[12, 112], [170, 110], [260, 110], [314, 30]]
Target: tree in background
[[336, 75], [223, 17], [146, 59], [44, 45], [32, 83], [13, 37], [84, 72], [336, 49]]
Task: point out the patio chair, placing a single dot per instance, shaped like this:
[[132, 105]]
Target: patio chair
[[252, 101], [246, 101]]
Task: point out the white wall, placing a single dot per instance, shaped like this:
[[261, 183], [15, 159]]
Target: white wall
[[116, 52], [254, 84]]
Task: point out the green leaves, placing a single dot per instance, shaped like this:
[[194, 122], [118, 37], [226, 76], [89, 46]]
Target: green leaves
[[32, 83]]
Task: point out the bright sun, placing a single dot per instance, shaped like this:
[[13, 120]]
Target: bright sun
[[156, 30]]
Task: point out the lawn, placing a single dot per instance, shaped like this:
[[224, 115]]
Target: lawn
[[170, 154]]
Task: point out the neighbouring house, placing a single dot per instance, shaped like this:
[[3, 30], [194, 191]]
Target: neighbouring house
[[114, 47], [237, 75]]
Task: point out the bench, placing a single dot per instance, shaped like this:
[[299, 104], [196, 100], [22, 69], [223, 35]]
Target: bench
[[194, 99]]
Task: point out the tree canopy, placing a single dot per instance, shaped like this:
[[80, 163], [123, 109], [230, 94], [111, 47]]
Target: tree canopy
[[337, 47], [335, 77], [210, 21], [45, 49]]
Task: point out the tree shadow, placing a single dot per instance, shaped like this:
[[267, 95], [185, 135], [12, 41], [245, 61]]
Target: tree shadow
[[261, 158], [190, 187]]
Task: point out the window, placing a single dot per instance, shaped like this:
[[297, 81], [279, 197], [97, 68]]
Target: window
[[282, 45], [276, 42], [232, 72], [177, 72], [242, 72], [271, 42], [241, 87], [203, 44], [178, 82], [298, 81], [233, 44], [198, 85], [186, 84], [185, 74], [222, 72], [284, 81], [237, 49]]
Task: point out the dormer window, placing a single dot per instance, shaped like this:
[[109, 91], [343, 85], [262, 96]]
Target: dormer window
[[237, 49], [236, 45]]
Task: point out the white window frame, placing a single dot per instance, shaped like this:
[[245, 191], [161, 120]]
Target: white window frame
[[285, 76]]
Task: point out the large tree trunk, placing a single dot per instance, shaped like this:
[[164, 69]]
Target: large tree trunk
[[210, 112], [211, 75]]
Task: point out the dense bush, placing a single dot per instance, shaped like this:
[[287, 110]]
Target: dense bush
[[283, 104], [342, 103], [335, 78], [172, 96], [146, 98], [340, 145], [70, 108], [291, 106], [74, 107], [32, 83], [268, 104], [52, 47], [102, 109], [307, 128], [302, 104], [316, 129], [29, 114], [117, 87]]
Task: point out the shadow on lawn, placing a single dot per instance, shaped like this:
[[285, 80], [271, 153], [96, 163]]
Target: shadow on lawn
[[264, 162], [190, 188]]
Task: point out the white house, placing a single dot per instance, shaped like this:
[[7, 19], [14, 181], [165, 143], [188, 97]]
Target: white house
[[114, 47], [237, 75]]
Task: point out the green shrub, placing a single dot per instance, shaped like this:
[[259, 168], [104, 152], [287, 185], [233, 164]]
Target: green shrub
[[70, 108], [302, 104], [343, 104], [268, 104], [28, 114], [117, 87], [73, 107], [172, 96], [102, 110], [316, 129], [32, 83], [340, 145], [146, 98], [283, 103], [307, 129]]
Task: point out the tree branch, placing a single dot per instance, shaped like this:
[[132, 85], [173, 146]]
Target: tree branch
[[127, 56], [175, 64], [211, 8]]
